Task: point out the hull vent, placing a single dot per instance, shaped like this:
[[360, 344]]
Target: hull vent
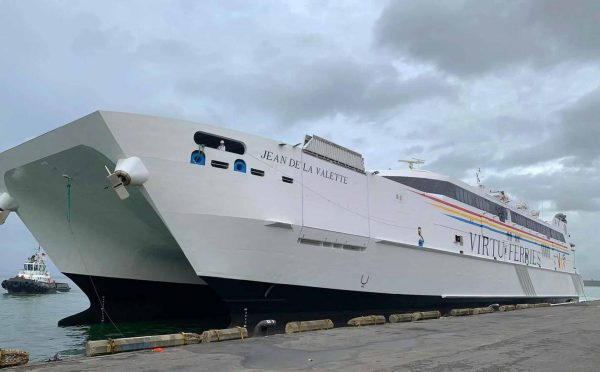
[[525, 280], [334, 153]]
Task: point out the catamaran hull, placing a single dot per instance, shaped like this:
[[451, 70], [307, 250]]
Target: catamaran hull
[[248, 302], [128, 300], [269, 229]]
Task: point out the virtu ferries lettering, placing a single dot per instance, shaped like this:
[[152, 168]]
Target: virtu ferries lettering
[[506, 251], [297, 164]]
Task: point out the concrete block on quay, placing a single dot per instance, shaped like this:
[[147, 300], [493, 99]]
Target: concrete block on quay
[[461, 312], [522, 306], [482, 310], [367, 320], [308, 325], [542, 304], [422, 315], [399, 318], [119, 345], [507, 308], [215, 335]]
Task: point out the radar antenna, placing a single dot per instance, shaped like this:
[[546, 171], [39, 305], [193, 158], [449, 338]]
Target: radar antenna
[[413, 162], [479, 184]]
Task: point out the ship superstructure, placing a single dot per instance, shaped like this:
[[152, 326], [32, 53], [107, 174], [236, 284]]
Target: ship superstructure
[[252, 226]]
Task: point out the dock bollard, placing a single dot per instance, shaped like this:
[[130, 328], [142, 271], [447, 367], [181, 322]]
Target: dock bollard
[[461, 312], [13, 357], [308, 325], [262, 328], [213, 335], [367, 320]]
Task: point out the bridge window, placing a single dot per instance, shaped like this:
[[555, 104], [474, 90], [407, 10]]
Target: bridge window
[[213, 141]]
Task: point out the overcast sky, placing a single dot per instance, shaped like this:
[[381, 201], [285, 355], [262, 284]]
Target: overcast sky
[[511, 87]]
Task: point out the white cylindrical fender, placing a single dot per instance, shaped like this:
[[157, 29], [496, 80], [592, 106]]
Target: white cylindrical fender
[[132, 171], [7, 203]]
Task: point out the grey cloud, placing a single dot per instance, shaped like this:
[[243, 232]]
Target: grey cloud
[[570, 189], [491, 144], [576, 137], [90, 40], [324, 88], [166, 50], [503, 143], [467, 37], [254, 65]]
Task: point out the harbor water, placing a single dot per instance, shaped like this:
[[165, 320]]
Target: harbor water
[[29, 322]]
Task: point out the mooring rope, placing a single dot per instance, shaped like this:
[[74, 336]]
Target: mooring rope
[[68, 187], [100, 302]]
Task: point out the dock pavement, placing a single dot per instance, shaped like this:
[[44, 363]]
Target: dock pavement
[[557, 338]]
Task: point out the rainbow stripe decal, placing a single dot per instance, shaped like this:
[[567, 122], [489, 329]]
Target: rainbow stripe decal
[[476, 219]]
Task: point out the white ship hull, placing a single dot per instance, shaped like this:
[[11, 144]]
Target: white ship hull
[[333, 240]]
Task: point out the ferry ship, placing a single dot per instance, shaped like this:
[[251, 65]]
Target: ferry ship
[[161, 218]]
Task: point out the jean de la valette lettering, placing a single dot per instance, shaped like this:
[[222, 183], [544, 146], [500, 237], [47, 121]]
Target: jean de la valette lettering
[[297, 164]]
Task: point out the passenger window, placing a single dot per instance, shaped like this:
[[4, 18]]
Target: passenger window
[[287, 179], [213, 141]]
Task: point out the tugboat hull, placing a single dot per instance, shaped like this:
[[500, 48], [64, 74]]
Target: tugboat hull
[[22, 285]]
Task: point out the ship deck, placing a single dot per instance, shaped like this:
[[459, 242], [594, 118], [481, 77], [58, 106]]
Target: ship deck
[[556, 338]]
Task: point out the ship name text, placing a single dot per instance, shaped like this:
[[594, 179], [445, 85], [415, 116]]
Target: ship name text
[[297, 164], [506, 251]]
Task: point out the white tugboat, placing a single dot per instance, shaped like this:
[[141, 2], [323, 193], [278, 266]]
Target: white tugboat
[[34, 278]]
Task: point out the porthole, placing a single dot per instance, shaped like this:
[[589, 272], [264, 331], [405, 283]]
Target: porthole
[[198, 158], [239, 166]]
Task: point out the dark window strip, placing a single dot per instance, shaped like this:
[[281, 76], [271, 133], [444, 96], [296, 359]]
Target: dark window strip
[[457, 193], [257, 172], [219, 164]]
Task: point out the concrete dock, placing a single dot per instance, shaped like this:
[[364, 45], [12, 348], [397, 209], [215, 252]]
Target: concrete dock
[[557, 338]]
